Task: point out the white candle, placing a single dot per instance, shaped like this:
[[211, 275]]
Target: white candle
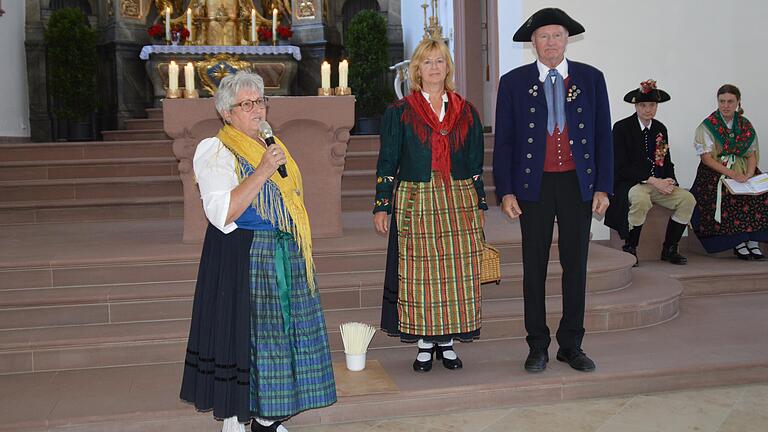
[[173, 76], [189, 76], [274, 25], [343, 71], [253, 25], [189, 23], [168, 23], [325, 75]]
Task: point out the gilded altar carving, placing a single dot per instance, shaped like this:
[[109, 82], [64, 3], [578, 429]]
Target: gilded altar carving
[[213, 69], [128, 8]]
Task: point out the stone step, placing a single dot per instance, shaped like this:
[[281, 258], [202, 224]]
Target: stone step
[[134, 135], [154, 113], [90, 210], [89, 168], [99, 304], [90, 188], [660, 358], [116, 343], [366, 160], [144, 124], [73, 151]]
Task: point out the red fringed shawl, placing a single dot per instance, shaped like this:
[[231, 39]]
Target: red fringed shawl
[[445, 137]]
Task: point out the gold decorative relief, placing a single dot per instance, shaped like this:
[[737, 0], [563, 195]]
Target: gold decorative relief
[[213, 69], [305, 9], [129, 8]]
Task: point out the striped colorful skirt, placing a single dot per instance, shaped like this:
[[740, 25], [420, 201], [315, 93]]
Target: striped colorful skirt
[[255, 350], [439, 243]]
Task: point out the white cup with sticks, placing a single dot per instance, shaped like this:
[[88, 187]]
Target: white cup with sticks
[[356, 337]]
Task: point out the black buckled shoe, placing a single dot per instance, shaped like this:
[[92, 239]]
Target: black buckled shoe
[[536, 361], [258, 427], [756, 253], [670, 253], [576, 359], [633, 251], [742, 252], [424, 366], [448, 363]]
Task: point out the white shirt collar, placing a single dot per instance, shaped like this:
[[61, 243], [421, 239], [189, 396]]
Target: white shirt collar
[[544, 69], [642, 126], [441, 114]]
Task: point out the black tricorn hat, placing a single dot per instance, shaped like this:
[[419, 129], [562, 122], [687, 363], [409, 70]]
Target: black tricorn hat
[[647, 92], [544, 17]]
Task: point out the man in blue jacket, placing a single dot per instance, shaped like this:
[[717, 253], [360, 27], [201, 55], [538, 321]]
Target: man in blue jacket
[[553, 158]]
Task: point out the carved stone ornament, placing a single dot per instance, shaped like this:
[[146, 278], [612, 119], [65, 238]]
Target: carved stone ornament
[[110, 9], [130, 9], [305, 9]]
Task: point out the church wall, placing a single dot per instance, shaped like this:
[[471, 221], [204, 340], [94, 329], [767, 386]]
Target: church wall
[[690, 47], [14, 111]]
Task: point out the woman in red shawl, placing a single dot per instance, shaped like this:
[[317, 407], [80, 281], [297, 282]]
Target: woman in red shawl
[[432, 153]]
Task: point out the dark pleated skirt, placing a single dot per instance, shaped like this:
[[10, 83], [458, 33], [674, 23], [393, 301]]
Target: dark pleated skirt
[[217, 363]]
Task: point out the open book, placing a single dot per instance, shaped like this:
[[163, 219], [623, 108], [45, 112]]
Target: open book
[[755, 186]]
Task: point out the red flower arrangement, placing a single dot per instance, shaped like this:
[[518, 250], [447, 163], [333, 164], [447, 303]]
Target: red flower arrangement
[[284, 32], [178, 32], [265, 32], [156, 31]]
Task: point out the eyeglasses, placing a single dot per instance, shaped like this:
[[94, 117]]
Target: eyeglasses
[[434, 61], [248, 104]]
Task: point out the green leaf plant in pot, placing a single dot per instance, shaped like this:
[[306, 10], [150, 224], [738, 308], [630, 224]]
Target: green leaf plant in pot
[[366, 45], [72, 69]]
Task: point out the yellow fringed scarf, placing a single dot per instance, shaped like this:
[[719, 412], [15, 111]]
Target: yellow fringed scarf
[[290, 188]]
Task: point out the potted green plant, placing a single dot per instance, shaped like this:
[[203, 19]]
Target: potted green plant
[[72, 63], [366, 45]]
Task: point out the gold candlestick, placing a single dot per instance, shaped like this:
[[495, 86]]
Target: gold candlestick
[[343, 91], [173, 93], [322, 91]]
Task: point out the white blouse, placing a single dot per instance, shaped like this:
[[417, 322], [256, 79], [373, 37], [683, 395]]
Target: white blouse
[[214, 167]]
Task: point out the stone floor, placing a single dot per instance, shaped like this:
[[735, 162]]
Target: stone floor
[[720, 409]]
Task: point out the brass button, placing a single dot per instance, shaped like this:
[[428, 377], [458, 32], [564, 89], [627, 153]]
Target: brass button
[[529, 156], [586, 156], [589, 170], [570, 142], [581, 125], [531, 125], [583, 140], [578, 110], [530, 140], [525, 186], [533, 110], [527, 170]]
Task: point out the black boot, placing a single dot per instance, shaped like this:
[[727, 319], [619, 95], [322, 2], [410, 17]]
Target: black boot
[[630, 244], [671, 239]]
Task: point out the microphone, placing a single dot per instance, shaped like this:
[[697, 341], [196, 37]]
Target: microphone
[[266, 133]]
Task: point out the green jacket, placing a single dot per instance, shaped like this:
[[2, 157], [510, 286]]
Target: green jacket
[[403, 156]]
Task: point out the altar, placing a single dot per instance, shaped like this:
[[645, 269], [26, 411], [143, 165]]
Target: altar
[[277, 65]]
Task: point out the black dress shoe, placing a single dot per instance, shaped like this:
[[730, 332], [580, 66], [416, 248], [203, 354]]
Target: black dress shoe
[[576, 359], [670, 253], [536, 361], [756, 253], [424, 366], [742, 252], [633, 251], [258, 427], [447, 363]]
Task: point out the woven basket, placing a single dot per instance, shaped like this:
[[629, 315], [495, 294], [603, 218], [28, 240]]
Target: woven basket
[[490, 266]]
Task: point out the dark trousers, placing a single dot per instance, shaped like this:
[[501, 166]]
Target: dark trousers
[[560, 197]]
